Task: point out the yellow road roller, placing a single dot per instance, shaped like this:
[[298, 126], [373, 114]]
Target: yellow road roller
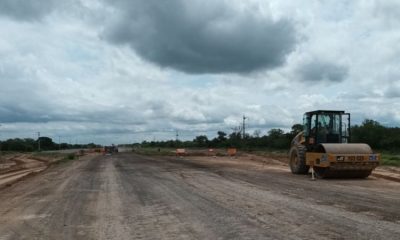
[[324, 146]]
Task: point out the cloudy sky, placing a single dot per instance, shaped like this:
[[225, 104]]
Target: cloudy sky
[[122, 71]]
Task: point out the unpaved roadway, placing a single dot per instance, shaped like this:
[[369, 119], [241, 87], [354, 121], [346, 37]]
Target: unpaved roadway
[[127, 196]]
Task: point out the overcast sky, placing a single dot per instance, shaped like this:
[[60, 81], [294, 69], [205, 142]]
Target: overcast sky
[[122, 71]]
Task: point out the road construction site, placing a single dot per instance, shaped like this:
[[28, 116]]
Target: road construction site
[[15, 166], [131, 196]]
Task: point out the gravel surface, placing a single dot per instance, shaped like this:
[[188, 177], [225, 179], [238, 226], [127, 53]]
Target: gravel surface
[[127, 196]]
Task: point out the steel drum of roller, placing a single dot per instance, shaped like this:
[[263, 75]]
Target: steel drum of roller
[[345, 171], [349, 148]]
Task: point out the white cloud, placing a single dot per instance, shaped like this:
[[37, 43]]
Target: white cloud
[[60, 76]]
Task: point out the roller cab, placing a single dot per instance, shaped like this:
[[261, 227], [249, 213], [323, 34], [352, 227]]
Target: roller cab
[[324, 146]]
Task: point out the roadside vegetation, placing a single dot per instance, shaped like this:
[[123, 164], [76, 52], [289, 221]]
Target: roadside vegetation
[[155, 151], [55, 157], [48, 154], [277, 142], [391, 159], [46, 144], [385, 140], [66, 158]]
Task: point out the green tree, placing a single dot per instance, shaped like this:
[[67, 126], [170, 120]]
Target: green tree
[[201, 141], [47, 143], [296, 128], [278, 139], [221, 136], [370, 132], [257, 133], [235, 139]]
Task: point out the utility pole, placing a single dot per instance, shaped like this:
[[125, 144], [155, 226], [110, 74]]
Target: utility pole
[[59, 142], [0, 142], [1, 153], [244, 126], [38, 141], [177, 135]]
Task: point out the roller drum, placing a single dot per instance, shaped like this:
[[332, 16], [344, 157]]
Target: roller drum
[[338, 171], [348, 148]]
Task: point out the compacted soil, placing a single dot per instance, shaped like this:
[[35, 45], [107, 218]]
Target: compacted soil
[[129, 196]]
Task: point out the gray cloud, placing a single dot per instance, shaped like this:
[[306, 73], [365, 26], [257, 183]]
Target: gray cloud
[[393, 92], [58, 77], [26, 10], [388, 11], [11, 114], [322, 71], [200, 37]]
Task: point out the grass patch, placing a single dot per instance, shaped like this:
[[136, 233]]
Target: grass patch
[[67, 157], [390, 159], [48, 154], [155, 151], [271, 153]]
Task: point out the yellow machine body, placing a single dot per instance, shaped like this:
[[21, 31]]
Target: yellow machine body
[[356, 156]]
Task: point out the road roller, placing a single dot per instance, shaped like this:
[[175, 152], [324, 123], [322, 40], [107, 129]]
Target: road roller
[[324, 147]]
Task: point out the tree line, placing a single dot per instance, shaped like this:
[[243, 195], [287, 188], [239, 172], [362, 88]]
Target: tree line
[[276, 139], [46, 144], [370, 131]]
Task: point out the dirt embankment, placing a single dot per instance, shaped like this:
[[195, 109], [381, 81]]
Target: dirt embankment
[[15, 166]]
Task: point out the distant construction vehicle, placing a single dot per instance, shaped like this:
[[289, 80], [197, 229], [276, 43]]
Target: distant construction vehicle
[[110, 149], [324, 145]]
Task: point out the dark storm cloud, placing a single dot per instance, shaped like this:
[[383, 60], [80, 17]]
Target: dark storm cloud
[[45, 113], [202, 37], [12, 114], [26, 9], [322, 71]]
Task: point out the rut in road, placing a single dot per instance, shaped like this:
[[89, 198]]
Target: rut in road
[[127, 196]]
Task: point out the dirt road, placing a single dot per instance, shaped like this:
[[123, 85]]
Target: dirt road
[[126, 196]]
